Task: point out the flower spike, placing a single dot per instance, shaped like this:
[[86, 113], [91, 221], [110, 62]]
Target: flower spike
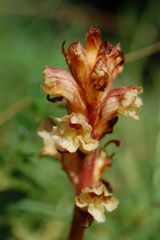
[[94, 106]]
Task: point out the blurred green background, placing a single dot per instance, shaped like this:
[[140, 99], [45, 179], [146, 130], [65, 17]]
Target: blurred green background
[[36, 198]]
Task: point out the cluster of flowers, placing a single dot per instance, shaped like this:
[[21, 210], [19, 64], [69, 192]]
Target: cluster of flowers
[[93, 109]]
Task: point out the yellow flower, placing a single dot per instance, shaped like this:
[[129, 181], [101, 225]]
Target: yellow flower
[[72, 132], [95, 200]]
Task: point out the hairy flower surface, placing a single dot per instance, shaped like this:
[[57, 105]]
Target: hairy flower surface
[[95, 200]]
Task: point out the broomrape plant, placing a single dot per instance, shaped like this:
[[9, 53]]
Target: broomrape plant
[[93, 108]]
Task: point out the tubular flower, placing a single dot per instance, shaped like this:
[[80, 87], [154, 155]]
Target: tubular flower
[[60, 83], [93, 109], [95, 200], [122, 100], [73, 132]]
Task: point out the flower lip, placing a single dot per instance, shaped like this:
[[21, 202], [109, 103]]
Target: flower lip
[[95, 200], [73, 132]]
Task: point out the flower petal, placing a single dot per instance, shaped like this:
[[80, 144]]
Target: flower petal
[[111, 204], [60, 83], [122, 100], [97, 212], [82, 200], [114, 58], [82, 60], [77, 61], [108, 65], [126, 101], [73, 132], [95, 200], [93, 43], [130, 102]]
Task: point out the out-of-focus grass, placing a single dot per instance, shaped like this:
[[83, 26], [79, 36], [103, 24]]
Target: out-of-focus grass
[[36, 198]]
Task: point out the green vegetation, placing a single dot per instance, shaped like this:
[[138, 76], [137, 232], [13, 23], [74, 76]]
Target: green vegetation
[[36, 198]]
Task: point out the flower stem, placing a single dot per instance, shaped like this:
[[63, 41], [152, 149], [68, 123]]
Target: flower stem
[[86, 177], [77, 227]]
